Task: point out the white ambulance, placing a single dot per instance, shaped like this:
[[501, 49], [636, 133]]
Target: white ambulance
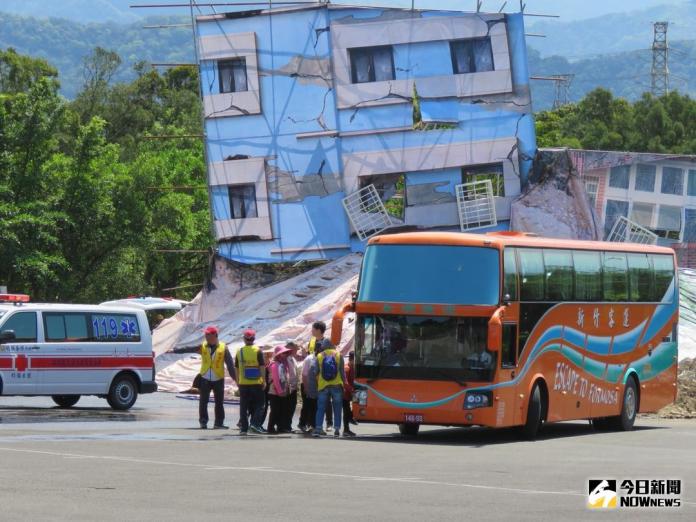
[[65, 351]]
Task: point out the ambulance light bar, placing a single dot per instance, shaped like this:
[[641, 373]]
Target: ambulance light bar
[[14, 298]]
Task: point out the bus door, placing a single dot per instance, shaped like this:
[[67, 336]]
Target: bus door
[[508, 402]]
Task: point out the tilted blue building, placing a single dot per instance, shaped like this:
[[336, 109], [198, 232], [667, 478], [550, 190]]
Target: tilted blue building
[[305, 105]]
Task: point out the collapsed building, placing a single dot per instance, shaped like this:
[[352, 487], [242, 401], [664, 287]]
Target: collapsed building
[[326, 125]]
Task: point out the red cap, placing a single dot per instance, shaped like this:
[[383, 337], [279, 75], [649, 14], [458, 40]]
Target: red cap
[[211, 330], [249, 334]]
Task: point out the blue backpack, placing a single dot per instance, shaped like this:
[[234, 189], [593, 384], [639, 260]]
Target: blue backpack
[[329, 368]]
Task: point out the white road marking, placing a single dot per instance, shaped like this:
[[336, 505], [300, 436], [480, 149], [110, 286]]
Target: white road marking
[[265, 469]]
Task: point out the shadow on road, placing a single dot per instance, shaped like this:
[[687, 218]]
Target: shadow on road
[[479, 437], [35, 415]]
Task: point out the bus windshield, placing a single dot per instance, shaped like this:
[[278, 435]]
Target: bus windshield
[[430, 274], [416, 347]]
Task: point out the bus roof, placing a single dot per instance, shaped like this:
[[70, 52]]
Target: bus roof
[[518, 239]]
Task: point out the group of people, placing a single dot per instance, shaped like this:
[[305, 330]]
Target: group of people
[[268, 385]]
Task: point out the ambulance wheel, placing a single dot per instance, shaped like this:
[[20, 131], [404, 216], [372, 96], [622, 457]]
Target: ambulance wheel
[[409, 429], [629, 408], [123, 393], [530, 428], [65, 401]]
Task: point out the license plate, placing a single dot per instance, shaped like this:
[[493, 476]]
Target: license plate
[[413, 418]]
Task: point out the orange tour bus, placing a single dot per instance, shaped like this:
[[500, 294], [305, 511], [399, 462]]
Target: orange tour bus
[[509, 329]]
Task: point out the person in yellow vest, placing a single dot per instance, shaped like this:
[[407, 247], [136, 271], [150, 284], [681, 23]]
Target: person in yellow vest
[[251, 381], [330, 375], [214, 358], [318, 331]]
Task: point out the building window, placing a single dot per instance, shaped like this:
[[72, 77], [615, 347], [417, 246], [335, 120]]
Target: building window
[[372, 64], [243, 202], [672, 181], [618, 176], [642, 213], [232, 75], [645, 178], [392, 191], [493, 172], [615, 209], [472, 56], [669, 222], [691, 186], [592, 187]]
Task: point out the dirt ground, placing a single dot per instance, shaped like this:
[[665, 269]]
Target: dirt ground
[[685, 407]]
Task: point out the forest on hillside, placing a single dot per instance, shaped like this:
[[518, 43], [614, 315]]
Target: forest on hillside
[[91, 205]]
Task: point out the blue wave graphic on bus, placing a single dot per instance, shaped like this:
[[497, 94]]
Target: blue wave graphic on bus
[[646, 368]]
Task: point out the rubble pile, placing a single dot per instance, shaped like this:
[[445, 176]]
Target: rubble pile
[[685, 405]]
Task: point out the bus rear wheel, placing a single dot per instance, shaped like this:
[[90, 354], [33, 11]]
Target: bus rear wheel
[[409, 429], [65, 401], [530, 428], [629, 408]]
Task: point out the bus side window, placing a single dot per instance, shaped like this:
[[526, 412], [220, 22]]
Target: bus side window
[[664, 274], [641, 278], [508, 357], [531, 275], [510, 267], [615, 277], [559, 275], [588, 275]]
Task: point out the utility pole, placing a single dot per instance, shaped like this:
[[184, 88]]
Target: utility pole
[[562, 90], [561, 83], [660, 51]]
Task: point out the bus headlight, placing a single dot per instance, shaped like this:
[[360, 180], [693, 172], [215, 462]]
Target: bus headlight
[[477, 399], [360, 397]]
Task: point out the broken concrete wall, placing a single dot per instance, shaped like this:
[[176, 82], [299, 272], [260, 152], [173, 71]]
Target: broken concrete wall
[[312, 142], [555, 204]]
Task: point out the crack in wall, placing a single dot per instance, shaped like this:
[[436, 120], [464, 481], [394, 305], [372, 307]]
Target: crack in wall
[[319, 119], [308, 70], [290, 188], [318, 32]]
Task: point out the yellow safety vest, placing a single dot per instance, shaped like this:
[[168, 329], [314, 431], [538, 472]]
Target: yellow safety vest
[[312, 345], [338, 380], [217, 361], [248, 359]]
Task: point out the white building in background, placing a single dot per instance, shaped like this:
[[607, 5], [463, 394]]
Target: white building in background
[[656, 191]]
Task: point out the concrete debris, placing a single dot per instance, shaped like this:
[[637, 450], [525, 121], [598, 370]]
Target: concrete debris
[[278, 312], [555, 202], [685, 405]]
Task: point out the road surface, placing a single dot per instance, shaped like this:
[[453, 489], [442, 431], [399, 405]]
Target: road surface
[[151, 463]]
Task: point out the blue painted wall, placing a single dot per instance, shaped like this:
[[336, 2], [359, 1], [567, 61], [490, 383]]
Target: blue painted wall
[[293, 105]]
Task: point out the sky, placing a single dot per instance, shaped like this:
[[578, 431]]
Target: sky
[[569, 10]]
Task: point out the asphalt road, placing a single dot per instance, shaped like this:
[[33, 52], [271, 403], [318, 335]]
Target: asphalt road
[[90, 463]]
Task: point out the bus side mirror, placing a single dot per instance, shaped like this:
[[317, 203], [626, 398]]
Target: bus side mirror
[[7, 336], [495, 331]]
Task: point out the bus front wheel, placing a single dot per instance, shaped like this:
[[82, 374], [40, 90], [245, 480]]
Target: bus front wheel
[[530, 428], [409, 430]]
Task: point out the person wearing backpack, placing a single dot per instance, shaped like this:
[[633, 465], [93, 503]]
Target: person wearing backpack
[[249, 364], [330, 375], [318, 331]]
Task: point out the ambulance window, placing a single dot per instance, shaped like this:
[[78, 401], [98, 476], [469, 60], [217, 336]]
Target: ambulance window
[[66, 327], [24, 326]]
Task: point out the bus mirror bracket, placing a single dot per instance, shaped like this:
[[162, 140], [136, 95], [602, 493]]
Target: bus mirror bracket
[[337, 321], [507, 300], [495, 330]]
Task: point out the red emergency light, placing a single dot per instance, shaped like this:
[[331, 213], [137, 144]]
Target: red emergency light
[[14, 298]]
